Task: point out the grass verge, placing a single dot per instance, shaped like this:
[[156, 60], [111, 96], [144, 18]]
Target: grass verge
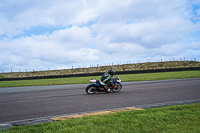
[[179, 119], [82, 80]]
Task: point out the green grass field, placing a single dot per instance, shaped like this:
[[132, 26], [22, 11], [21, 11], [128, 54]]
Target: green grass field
[[171, 119], [83, 80]]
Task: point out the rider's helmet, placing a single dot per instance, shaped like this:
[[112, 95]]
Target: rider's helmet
[[111, 72]]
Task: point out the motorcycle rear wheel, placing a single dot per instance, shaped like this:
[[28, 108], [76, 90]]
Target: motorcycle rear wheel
[[91, 89]]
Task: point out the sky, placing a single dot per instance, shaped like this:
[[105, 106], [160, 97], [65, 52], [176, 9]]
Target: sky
[[61, 34]]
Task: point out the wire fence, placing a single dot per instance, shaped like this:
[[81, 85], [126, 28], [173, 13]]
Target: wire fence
[[98, 65]]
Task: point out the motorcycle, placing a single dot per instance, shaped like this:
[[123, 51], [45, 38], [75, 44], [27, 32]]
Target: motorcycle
[[95, 86]]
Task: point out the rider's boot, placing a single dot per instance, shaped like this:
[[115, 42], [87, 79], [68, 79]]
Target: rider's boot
[[107, 88]]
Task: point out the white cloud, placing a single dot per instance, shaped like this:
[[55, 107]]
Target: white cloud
[[61, 47], [95, 31], [148, 34], [150, 23], [21, 16], [73, 37]]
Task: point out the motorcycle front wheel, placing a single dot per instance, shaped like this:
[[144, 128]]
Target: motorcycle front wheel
[[91, 89], [117, 89]]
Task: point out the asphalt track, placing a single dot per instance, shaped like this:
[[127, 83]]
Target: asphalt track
[[19, 103]]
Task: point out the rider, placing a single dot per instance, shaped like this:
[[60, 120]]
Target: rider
[[107, 79]]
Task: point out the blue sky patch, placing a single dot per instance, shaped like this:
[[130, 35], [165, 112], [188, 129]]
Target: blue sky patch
[[130, 21], [89, 23], [40, 30], [196, 17]]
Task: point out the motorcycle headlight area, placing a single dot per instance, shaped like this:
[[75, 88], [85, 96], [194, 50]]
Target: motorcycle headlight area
[[118, 80]]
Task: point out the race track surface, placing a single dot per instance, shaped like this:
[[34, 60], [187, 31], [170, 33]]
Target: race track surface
[[18, 103]]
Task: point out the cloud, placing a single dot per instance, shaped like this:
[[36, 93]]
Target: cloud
[[61, 47], [59, 33], [148, 23], [70, 38], [19, 16]]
